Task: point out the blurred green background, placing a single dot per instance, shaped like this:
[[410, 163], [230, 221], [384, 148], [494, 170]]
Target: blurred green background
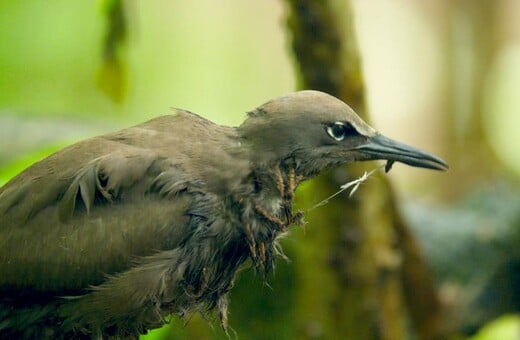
[[424, 64]]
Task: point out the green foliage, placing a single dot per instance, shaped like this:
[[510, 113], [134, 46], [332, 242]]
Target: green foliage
[[112, 76], [52, 57], [506, 327]]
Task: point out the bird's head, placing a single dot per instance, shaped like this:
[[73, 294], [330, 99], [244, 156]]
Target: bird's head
[[319, 131]]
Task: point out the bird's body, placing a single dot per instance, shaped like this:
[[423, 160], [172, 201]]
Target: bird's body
[[128, 203], [112, 234]]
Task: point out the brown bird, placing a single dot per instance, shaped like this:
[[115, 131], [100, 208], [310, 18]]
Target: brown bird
[[109, 236]]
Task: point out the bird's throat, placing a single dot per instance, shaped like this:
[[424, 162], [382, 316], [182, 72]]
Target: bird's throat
[[272, 213]]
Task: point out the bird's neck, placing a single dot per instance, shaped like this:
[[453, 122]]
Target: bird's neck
[[275, 185], [267, 213]]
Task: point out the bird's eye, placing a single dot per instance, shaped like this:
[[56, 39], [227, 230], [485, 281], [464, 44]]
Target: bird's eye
[[340, 130]]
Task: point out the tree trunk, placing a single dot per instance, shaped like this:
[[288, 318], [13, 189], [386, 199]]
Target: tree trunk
[[360, 273]]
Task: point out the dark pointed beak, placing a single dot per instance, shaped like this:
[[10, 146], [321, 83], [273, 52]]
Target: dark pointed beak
[[381, 147]]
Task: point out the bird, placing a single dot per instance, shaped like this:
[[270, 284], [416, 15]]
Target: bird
[[109, 236]]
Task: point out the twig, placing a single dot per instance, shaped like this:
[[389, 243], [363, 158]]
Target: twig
[[352, 184]]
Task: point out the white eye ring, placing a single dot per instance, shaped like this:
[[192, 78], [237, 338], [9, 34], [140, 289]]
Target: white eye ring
[[336, 131]]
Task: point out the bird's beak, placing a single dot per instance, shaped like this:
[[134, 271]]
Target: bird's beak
[[381, 147]]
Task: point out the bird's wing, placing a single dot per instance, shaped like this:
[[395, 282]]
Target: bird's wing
[[93, 208]]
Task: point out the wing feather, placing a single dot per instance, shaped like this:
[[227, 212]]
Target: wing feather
[[93, 208]]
